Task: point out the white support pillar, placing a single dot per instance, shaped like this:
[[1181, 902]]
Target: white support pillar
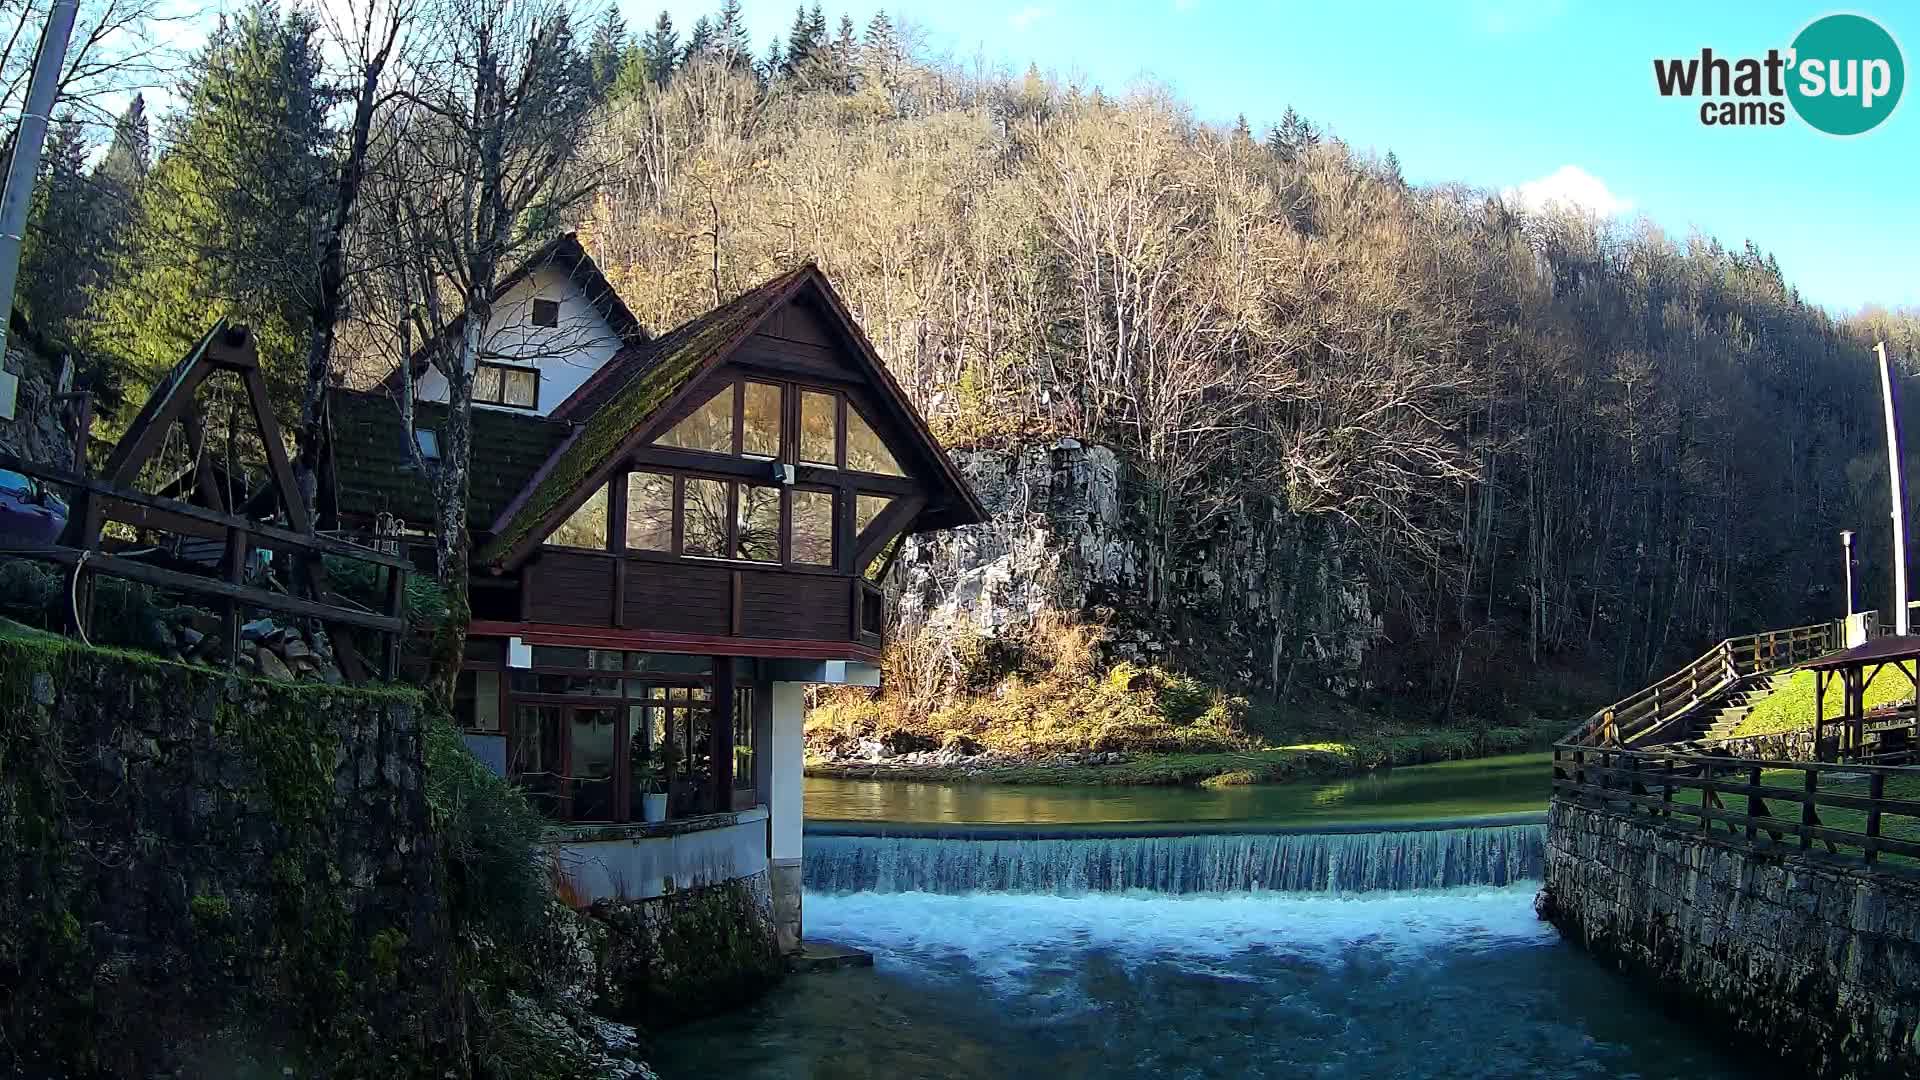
[[786, 753]]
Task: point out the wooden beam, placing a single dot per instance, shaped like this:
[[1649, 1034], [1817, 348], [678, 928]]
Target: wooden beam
[[883, 528], [261, 530], [278, 467], [600, 637], [119, 567], [720, 733]]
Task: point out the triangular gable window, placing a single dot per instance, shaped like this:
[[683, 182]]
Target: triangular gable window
[[865, 451], [709, 428]]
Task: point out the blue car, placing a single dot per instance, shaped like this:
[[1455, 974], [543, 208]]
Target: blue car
[[29, 513]]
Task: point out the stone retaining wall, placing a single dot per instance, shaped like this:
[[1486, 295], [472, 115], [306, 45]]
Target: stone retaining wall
[[1795, 745], [203, 874], [1813, 964]]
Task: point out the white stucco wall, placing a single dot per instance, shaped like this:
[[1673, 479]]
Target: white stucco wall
[[638, 866], [565, 354], [788, 752]]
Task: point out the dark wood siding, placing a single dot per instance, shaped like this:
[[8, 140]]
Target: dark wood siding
[[679, 598], [816, 607], [567, 587]]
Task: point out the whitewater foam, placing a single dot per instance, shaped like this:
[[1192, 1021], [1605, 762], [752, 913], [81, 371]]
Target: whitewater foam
[[1002, 936]]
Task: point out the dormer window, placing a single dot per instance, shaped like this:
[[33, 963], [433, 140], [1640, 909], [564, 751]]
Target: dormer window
[[503, 384], [545, 313]]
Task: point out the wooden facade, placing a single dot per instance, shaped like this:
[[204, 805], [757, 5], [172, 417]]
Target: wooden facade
[[723, 496]]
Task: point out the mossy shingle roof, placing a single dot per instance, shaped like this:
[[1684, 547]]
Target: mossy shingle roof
[[374, 472], [637, 383]]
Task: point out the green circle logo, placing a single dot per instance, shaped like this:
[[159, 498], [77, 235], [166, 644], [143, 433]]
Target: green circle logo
[[1847, 74]]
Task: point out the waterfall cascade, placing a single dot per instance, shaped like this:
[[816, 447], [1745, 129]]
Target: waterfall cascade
[[1210, 862]]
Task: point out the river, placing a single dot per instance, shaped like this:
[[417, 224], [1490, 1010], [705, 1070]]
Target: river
[[1272, 936]]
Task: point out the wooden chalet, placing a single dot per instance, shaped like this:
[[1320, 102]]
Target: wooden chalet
[[672, 534]]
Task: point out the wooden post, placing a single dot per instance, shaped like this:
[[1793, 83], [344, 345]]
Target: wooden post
[[720, 734], [1819, 712], [1876, 790], [1753, 800], [1807, 816], [236, 565]]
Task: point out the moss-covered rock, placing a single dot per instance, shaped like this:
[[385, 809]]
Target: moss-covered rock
[[689, 953]]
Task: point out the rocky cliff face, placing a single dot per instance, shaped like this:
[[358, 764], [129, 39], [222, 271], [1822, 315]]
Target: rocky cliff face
[[1252, 600], [37, 431]]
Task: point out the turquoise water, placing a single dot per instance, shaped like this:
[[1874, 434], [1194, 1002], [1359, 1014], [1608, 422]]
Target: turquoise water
[[1263, 932], [1459, 983], [1512, 783]]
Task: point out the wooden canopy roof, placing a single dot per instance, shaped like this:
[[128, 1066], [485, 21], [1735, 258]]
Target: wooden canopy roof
[[1881, 650]]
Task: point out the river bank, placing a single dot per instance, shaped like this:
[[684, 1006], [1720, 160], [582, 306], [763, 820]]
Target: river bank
[[1314, 756]]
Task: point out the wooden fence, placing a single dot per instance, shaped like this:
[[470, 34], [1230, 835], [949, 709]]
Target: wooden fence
[[239, 538], [1846, 809], [1650, 710]]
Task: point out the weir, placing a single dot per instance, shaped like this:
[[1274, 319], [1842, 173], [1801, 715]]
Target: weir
[[960, 860]]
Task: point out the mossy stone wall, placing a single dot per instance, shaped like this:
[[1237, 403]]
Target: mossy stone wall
[[690, 953], [1811, 964], [207, 874]]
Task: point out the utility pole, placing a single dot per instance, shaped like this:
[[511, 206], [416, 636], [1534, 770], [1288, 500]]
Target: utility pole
[[1898, 495], [25, 167]]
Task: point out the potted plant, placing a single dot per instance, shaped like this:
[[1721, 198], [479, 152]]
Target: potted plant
[[653, 795]]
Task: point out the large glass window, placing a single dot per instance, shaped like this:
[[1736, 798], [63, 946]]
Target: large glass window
[[590, 766], [819, 428], [812, 539], [865, 451], [585, 527], [704, 530], [649, 512], [759, 526], [866, 508], [760, 420], [709, 428]]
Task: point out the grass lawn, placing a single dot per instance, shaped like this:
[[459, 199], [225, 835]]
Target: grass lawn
[[1791, 706], [1893, 826]]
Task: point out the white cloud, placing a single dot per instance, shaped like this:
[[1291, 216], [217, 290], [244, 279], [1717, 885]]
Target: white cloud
[[1569, 186], [1027, 16]]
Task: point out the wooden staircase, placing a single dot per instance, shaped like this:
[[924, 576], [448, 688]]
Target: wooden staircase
[[1718, 719], [1708, 698]]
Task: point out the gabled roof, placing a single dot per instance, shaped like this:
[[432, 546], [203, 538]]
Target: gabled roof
[[376, 472], [614, 408], [566, 252]]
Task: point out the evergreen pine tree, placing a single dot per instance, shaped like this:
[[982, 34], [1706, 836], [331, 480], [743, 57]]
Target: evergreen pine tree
[[660, 50], [775, 64], [61, 250], [846, 51], [700, 42], [1390, 169], [116, 180], [1294, 135], [800, 41], [606, 52], [882, 48], [730, 35], [1242, 133], [225, 223]]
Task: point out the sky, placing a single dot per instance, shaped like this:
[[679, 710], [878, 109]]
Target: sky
[[1542, 98]]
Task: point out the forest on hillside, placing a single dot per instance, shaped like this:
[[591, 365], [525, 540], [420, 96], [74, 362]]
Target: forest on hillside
[[1541, 438]]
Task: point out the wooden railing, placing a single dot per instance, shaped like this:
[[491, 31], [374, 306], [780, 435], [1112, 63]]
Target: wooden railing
[[1846, 809], [239, 537], [1648, 711]]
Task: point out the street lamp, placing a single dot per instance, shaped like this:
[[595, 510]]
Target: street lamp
[[1846, 545]]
